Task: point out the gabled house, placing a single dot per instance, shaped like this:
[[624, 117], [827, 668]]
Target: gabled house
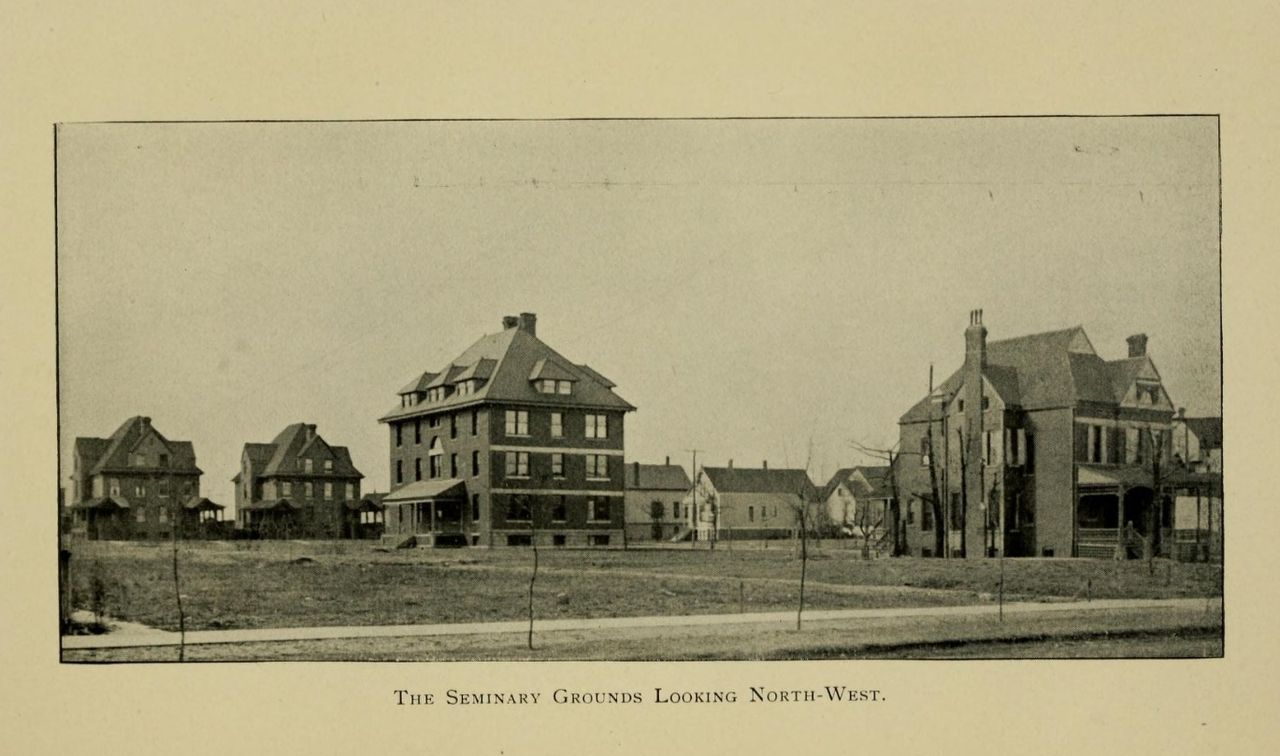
[[509, 441], [1038, 446], [297, 486], [857, 501], [136, 484], [654, 501], [728, 503]]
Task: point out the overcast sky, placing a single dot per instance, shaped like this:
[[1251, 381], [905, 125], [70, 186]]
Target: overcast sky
[[749, 285]]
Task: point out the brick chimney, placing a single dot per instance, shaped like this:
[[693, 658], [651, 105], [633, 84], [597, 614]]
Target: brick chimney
[[764, 465], [529, 323], [1137, 345], [311, 432], [668, 461], [975, 342], [635, 466], [731, 464], [509, 322]]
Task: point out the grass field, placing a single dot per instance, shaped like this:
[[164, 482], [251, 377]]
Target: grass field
[[291, 584], [1124, 633]]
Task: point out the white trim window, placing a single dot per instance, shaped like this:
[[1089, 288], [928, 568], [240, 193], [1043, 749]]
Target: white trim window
[[597, 467], [351, 491], [517, 465], [598, 510], [308, 491], [557, 465], [557, 425], [517, 422], [597, 426], [307, 466], [1096, 448], [328, 490], [549, 386], [286, 488]]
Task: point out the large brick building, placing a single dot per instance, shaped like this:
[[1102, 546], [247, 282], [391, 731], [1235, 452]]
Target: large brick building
[[297, 486], [508, 441], [1037, 446], [136, 484]]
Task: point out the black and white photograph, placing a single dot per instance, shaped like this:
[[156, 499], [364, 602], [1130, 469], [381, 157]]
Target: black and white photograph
[[640, 389]]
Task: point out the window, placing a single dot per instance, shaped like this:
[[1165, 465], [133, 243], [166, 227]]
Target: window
[[139, 490], [924, 450], [351, 491], [433, 421], [399, 434], [751, 514], [1096, 450], [517, 464], [399, 471], [990, 451], [113, 485], [453, 465], [475, 462], [675, 510], [520, 539], [557, 465], [598, 510], [142, 515], [475, 422], [328, 465], [475, 507], [417, 468], [517, 422], [163, 514], [557, 425], [597, 426], [518, 509], [187, 487], [97, 487], [164, 460], [1133, 446], [598, 466], [308, 491], [417, 431], [598, 539], [328, 490], [465, 388], [926, 515], [557, 539], [911, 512], [559, 511], [549, 386], [453, 426], [437, 465], [163, 487]]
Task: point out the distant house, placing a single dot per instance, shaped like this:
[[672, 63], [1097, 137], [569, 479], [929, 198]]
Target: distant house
[[654, 501], [137, 484], [509, 441], [1197, 485], [728, 503], [1197, 443], [857, 501], [1039, 446], [297, 486], [365, 517]]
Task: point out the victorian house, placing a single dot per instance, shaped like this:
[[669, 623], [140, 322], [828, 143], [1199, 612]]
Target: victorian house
[[1037, 446], [509, 442], [137, 484], [298, 486]]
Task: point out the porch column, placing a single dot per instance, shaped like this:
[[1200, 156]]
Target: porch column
[[1120, 523], [433, 520]]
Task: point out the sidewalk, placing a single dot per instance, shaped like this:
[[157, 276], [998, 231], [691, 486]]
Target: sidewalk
[[132, 638]]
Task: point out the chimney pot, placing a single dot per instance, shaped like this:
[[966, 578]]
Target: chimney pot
[[668, 461], [1137, 345], [731, 464], [765, 464]]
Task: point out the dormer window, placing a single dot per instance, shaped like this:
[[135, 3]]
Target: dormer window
[[465, 388], [306, 465], [550, 386]]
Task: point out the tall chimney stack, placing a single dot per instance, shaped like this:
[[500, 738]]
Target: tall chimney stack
[[668, 461], [529, 323], [975, 342], [1137, 345], [765, 465]]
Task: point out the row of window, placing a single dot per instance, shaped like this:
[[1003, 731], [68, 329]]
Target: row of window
[[434, 421], [1141, 445], [516, 465], [307, 465], [657, 509], [140, 460], [520, 509], [1013, 447], [308, 490], [140, 488]]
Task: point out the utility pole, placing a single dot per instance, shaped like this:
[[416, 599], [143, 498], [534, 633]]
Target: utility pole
[[693, 506]]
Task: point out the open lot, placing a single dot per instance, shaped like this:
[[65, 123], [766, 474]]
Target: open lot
[[301, 584]]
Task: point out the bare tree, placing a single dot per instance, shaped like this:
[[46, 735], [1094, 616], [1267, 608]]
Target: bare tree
[[893, 458], [800, 502], [533, 576], [175, 522], [964, 491]]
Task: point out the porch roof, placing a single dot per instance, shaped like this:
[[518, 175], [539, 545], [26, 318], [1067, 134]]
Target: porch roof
[[103, 502], [429, 490], [272, 504], [200, 503], [1113, 477]]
